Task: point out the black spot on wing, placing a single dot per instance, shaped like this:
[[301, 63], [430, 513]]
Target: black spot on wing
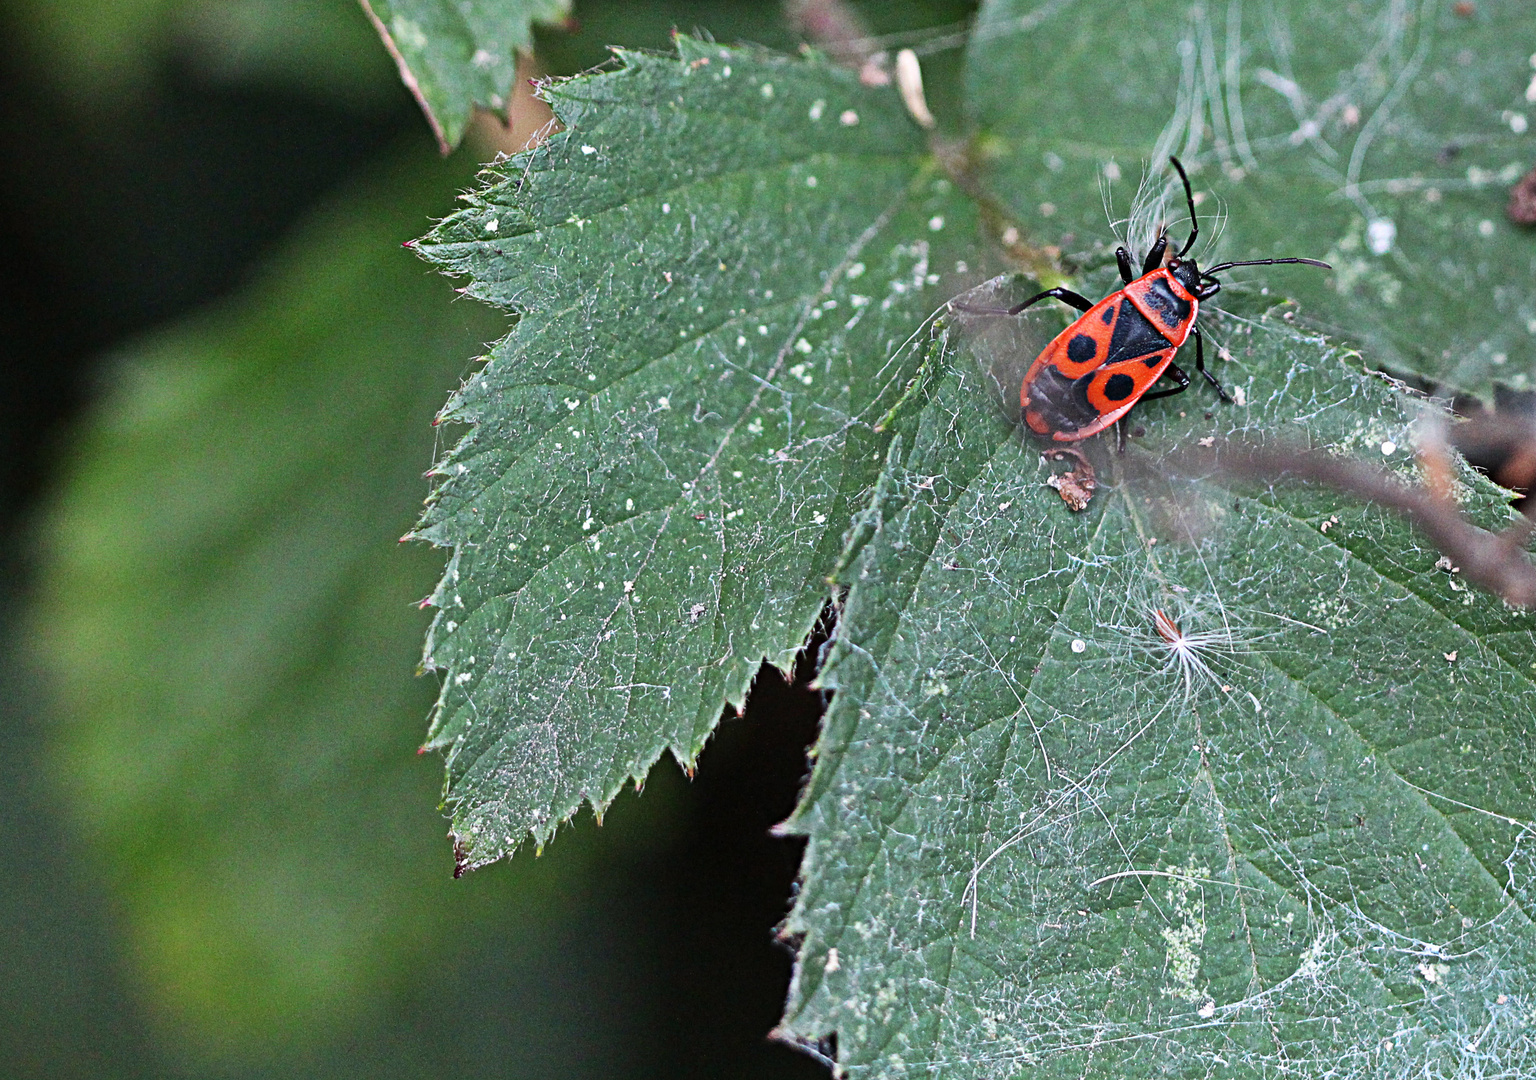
[[1169, 308], [1081, 349], [1107, 316], [1134, 336], [1119, 386]]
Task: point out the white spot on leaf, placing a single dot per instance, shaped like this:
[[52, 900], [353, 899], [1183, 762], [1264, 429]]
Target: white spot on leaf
[[1380, 235], [407, 34]]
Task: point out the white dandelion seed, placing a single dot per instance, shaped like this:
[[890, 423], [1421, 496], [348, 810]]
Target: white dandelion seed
[[1195, 655]]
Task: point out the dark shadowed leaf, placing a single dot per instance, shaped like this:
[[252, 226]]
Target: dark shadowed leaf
[[717, 265], [1383, 137], [1045, 842], [227, 613]]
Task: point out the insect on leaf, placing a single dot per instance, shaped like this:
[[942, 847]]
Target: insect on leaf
[[1382, 137], [1209, 779]]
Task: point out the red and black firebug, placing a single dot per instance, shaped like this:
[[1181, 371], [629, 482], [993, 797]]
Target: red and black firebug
[[1091, 373]]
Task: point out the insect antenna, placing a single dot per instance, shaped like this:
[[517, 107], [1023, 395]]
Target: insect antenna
[[1263, 262], [1189, 197]]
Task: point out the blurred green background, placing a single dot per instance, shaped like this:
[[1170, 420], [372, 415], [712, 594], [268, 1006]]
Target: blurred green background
[[218, 371]]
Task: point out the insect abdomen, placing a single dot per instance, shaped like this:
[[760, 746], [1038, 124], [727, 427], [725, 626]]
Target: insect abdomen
[[1056, 403]]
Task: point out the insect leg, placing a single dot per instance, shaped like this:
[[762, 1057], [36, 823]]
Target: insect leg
[[1123, 257], [1066, 296], [1176, 373], [1200, 363], [1154, 257]]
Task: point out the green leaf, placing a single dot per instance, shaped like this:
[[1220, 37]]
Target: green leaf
[[226, 611], [1381, 137], [1045, 842], [717, 265], [456, 54]]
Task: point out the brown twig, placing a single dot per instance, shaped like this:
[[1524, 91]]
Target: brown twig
[[840, 31], [1495, 561], [1522, 200]]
